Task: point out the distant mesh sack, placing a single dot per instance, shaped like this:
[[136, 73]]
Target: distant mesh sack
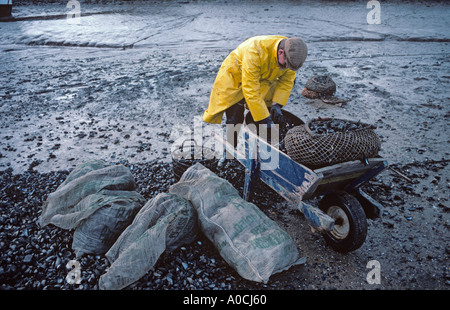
[[319, 150]]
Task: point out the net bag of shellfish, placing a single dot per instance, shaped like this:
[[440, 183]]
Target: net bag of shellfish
[[325, 142]]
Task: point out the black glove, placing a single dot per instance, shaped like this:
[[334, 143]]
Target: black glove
[[277, 115], [267, 121], [268, 124]]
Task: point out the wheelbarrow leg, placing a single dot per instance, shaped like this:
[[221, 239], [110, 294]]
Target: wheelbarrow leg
[[251, 176], [251, 166]]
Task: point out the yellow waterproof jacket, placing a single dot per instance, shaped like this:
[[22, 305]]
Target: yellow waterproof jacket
[[252, 72]]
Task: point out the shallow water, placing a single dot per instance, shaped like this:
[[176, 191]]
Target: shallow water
[[219, 24]]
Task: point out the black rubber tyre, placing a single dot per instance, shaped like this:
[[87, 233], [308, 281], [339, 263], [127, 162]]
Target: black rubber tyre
[[321, 84], [350, 228]]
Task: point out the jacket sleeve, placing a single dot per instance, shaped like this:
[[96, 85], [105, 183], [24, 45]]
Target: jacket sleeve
[[284, 87], [251, 75]]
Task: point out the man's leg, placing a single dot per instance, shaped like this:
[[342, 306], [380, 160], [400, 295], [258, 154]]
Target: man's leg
[[235, 118]]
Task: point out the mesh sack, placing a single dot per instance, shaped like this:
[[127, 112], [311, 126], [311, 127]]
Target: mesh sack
[[328, 146]]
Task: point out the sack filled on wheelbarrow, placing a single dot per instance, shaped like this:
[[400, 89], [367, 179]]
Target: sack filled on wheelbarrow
[[324, 142], [251, 243]]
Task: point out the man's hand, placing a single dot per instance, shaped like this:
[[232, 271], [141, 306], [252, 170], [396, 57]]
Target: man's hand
[[267, 121], [277, 115], [265, 131]]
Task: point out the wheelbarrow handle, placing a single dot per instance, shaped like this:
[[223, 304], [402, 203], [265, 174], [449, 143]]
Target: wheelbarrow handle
[[317, 220]]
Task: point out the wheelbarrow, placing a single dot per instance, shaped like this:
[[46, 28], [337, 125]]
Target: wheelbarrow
[[342, 212]]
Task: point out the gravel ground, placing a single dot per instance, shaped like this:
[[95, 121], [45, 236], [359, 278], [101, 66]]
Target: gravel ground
[[409, 241]]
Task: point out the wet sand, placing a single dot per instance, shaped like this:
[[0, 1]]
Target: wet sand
[[64, 102], [71, 93]]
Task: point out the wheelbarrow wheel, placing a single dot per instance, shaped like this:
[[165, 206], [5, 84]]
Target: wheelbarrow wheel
[[350, 226]]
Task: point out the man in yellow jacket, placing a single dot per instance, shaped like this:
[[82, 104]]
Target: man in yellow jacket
[[258, 74]]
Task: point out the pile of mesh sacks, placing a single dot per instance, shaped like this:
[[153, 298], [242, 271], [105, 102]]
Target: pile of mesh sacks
[[108, 216]]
